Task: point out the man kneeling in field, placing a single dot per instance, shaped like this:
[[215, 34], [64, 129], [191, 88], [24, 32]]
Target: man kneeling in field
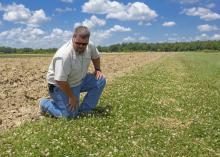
[[68, 76]]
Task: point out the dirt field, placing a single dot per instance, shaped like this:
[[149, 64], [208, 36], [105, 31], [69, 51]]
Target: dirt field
[[22, 82]]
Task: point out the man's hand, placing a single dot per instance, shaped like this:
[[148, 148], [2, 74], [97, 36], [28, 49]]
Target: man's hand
[[73, 103], [98, 74]]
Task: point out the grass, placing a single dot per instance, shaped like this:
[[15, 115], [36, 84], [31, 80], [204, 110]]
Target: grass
[[167, 108]]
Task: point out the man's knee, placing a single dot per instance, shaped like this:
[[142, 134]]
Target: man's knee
[[43, 101]]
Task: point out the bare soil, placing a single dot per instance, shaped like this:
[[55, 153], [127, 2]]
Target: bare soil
[[22, 82]]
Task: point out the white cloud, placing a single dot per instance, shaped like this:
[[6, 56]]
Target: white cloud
[[141, 23], [34, 37], [19, 14], [201, 37], [20, 37], [207, 28], [169, 24], [118, 28], [135, 11], [203, 13], [115, 10], [102, 6], [67, 9], [204, 37], [56, 38], [216, 37], [135, 39], [173, 39], [37, 38], [172, 35], [129, 39], [67, 1], [92, 22], [142, 38], [99, 36]]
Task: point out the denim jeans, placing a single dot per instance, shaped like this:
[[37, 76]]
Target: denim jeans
[[58, 106]]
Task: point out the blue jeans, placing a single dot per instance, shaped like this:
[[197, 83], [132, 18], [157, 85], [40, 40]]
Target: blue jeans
[[58, 106]]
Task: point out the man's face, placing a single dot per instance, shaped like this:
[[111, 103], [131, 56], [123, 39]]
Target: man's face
[[80, 44]]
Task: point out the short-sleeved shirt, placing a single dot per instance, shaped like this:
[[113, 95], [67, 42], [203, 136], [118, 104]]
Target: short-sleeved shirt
[[68, 65]]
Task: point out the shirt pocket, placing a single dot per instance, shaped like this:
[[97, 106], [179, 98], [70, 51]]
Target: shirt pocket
[[75, 66]]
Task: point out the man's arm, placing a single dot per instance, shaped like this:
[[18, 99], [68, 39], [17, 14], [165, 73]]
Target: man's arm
[[64, 86], [96, 64]]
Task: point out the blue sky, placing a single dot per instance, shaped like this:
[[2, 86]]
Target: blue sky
[[49, 23]]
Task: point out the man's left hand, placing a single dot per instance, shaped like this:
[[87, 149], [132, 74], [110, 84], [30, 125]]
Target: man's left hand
[[98, 74]]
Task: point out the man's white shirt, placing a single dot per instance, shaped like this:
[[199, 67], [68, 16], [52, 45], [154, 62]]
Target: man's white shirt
[[68, 65]]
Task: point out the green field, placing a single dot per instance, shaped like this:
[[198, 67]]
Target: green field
[[169, 107]]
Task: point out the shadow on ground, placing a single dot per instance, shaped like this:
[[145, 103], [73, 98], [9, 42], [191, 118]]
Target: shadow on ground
[[100, 111]]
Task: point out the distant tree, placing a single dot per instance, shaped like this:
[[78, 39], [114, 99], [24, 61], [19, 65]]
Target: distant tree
[[134, 47]]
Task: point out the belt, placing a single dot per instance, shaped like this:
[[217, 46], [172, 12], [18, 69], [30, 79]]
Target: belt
[[51, 87]]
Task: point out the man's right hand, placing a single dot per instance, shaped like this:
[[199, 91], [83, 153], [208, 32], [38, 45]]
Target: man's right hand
[[73, 103]]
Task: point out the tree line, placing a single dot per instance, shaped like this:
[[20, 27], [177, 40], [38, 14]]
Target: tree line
[[128, 47], [9, 50], [163, 47]]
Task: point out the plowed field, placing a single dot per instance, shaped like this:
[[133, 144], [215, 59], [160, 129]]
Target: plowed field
[[22, 82]]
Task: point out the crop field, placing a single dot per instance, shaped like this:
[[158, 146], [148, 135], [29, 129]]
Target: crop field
[[23, 81], [156, 104]]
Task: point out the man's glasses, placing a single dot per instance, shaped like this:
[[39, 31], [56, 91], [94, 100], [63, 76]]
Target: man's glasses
[[83, 44]]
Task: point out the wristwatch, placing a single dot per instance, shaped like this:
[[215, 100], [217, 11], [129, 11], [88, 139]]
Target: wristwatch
[[98, 69]]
